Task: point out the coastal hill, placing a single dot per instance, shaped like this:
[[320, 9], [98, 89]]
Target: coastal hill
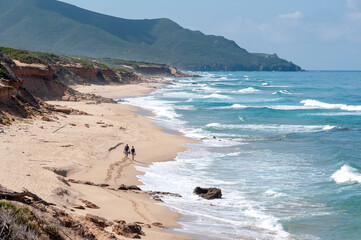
[[53, 26]]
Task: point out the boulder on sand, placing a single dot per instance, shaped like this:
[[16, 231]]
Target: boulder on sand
[[131, 187], [208, 193], [131, 230]]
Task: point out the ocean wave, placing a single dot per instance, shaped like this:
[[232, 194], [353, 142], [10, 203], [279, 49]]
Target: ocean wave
[[234, 154], [197, 133], [336, 114], [248, 90], [234, 106], [185, 107], [268, 222], [321, 105], [181, 95], [285, 92], [288, 107], [207, 89], [215, 95], [214, 125], [273, 127], [265, 84], [346, 174], [274, 194], [162, 109]]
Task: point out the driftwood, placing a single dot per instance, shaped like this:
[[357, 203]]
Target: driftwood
[[24, 197], [60, 128]]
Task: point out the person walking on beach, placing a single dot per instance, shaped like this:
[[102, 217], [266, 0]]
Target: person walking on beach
[[126, 150], [133, 152]]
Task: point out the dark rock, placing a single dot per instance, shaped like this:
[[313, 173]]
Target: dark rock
[[119, 221], [47, 119], [131, 230], [164, 194], [98, 221], [89, 204], [158, 224], [79, 207], [158, 199], [103, 185], [131, 187], [208, 193]]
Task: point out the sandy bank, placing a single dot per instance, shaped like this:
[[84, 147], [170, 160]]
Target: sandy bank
[[39, 155]]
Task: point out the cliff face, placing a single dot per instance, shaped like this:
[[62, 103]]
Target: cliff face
[[154, 70], [160, 70], [15, 100], [27, 78], [39, 80]]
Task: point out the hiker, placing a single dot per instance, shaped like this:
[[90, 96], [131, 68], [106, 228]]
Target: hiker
[[133, 152], [126, 150]]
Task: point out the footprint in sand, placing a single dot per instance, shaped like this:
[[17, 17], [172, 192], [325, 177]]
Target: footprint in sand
[[134, 205], [112, 168]]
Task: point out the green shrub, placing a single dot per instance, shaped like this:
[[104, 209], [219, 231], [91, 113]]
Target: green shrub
[[52, 232], [19, 222], [50, 58], [23, 56], [121, 70], [3, 74]]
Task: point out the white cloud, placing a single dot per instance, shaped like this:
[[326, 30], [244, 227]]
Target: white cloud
[[295, 15], [353, 5], [354, 12], [354, 16]]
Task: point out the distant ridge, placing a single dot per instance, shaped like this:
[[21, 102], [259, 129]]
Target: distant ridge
[[50, 25]]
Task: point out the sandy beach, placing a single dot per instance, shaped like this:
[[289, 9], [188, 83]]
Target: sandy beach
[[39, 156]]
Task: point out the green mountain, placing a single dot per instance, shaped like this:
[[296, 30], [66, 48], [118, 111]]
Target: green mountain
[[53, 26]]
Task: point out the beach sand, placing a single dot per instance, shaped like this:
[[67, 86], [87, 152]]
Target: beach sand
[[38, 155]]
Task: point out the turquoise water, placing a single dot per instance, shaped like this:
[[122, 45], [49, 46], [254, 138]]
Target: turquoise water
[[285, 148]]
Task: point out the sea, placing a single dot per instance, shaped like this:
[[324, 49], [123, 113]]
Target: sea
[[284, 147]]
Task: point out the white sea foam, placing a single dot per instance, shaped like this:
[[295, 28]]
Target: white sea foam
[[234, 106], [241, 118], [248, 90], [234, 154], [265, 84], [346, 174], [214, 125], [337, 114], [273, 127], [285, 92], [207, 89], [197, 133], [321, 105], [162, 109], [181, 95], [289, 107], [274, 194], [267, 222], [215, 95], [328, 127], [185, 107]]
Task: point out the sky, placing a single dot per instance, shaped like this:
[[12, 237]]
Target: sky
[[314, 34]]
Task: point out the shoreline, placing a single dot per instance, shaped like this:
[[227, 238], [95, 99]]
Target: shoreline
[[80, 151]]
